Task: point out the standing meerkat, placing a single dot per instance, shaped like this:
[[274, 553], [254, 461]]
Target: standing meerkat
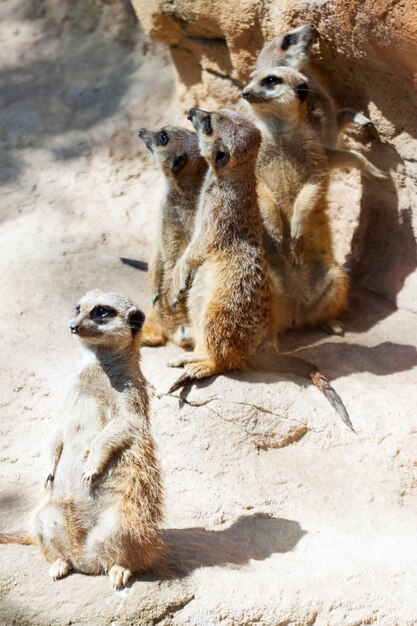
[[230, 297], [234, 305], [177, 154], [292, 49], [293, 178], [104, 497]]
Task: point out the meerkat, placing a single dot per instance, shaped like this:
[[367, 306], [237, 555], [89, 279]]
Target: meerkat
[[293, 177], [235, 307], [103, 502], [177, 154], [292, 49]]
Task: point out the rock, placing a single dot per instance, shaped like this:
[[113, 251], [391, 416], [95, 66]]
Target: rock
[[368, 57]]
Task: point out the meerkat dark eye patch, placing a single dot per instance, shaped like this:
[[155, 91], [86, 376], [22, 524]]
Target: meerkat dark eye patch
[[288, 41], [102, 313], [178, 163], [206, 126], [136, 319], [162, 138], [302, 91], [272, 80], [77, 310], [221, 158]]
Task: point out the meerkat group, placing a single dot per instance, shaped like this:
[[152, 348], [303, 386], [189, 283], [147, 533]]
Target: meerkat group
[[244, 252]]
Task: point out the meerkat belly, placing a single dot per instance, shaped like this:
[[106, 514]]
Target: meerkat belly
[[232, 290], [282, 178], [87, 421]]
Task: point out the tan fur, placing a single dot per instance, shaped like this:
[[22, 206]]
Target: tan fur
[[292, 49], [16, 537], [230, 301], [293, 177], [177, 154], [104, 497]]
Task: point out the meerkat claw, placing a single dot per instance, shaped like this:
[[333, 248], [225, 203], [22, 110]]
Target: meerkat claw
[[155, 298], [177, 299], [88, 475], [59, 569], [48, 481]]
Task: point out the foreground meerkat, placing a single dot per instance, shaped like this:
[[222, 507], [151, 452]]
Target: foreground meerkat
[[234, 306], [177, 154], [292, 49], [104, 497], [293, 177]]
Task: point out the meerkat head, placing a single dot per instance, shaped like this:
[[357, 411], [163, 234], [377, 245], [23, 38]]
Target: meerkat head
[[226, 138], [106, 320], [291, 48], [277, 91], [175, 149]]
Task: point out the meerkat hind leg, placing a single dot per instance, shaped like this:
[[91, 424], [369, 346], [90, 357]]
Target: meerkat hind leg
[[196, 367], [59, 569], [119, 576], [152, 333], [202, 369], [183, 359], [183, 337], [333, 327]]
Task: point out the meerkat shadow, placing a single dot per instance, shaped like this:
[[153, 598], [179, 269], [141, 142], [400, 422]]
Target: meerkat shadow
[[342, 356], [383, 248], [381, 360], [253, 537]]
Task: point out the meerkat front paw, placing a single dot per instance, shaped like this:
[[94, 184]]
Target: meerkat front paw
[[180, 278], [89, 474], [49, 479]]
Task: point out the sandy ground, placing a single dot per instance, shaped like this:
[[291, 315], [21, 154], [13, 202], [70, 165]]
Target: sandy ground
[[275, 512]]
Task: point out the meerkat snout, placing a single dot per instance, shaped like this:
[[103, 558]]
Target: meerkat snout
[[201, 120]]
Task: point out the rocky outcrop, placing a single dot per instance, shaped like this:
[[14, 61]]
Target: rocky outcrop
[[368, 56]]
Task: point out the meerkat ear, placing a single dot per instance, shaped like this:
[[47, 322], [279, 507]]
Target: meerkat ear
[[290, 39], [221, 157], [302, 91], [135, 318], [178, 163], [296, 45]]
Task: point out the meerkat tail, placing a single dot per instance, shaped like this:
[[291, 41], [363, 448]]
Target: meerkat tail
[[183, 380], [285, 363], [353, 158], [19, 538], [332, 396], [139, 265], [348, 116]]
